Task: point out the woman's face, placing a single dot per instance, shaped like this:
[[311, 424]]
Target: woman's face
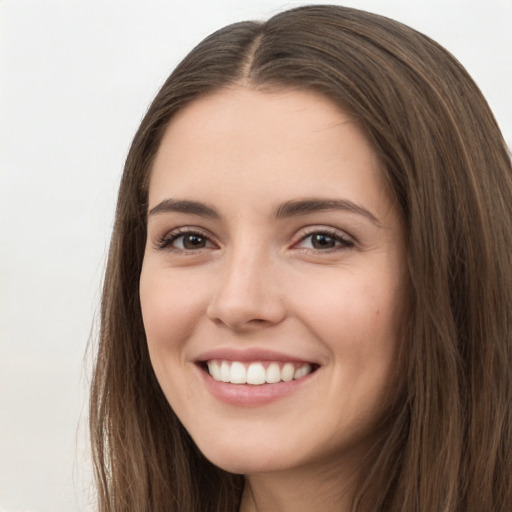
[[275, 255]]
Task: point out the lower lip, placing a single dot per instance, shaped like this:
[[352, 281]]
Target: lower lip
[[247, 395]]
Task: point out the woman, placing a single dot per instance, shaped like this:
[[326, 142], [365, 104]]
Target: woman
[[306, 304]]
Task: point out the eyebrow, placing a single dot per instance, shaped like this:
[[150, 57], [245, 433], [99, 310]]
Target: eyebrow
[[306, 206], [192, 207], [287, 209]]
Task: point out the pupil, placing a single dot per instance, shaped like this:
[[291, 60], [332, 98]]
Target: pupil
[[323, 241], [193, 242]]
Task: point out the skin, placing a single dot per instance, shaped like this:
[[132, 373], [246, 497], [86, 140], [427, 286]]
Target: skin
[[256, 281]]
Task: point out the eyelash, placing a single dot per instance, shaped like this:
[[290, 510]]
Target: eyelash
[[165, 243], [337, 236]]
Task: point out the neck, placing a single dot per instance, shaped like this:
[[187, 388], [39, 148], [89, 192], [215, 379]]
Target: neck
[[298, 491]]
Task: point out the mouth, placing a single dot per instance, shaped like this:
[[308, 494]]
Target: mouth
[[256, 373]]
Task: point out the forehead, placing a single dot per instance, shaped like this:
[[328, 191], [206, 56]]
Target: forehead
[[283, 141]]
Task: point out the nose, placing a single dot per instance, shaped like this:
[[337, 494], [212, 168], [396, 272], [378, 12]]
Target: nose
[[248, 296]]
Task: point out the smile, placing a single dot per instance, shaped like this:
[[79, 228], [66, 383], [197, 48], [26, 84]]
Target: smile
[[258, 372]]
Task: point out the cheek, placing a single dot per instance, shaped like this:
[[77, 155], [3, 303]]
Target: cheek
[[170, 314], [360, 323], [356, 310], [170, 308]]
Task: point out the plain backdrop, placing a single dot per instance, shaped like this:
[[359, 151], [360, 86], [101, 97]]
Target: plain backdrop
[[76, 79]]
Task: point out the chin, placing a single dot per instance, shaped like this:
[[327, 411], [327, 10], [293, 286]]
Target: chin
[[250, 455], [239, 461]]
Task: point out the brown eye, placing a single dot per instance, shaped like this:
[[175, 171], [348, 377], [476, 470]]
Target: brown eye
[[325, 241], [322, 241], [191, 241], [186, 241]]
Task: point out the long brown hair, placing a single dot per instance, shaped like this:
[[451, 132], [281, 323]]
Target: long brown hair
[[448, 445]]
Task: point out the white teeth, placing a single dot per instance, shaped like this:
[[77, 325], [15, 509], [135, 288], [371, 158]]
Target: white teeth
[[214, 369], [254, 373], [273, 373], [238, 375], [302, 371], [287, 372], [224, 371]]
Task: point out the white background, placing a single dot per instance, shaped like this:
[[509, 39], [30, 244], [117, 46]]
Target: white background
[[76, 79]]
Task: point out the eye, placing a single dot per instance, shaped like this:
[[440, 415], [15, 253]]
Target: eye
[[185, 241], [324, 241]]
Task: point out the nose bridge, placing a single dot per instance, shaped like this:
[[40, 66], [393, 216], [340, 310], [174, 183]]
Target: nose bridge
[[247, 294]]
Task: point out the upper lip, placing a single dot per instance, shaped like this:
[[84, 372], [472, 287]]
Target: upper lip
[[248, 355]]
